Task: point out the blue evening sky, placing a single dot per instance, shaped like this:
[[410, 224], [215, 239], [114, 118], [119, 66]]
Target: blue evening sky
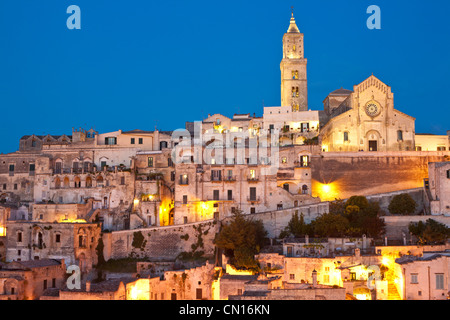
[[137, 64]]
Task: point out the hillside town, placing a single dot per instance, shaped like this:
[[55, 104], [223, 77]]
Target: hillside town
[[288, 203]]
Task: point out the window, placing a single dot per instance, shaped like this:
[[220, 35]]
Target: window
[[284, 160], [11, 168], [304, 189], [216, 175], [184, 179], [150, 162], [53, 283], [215, 194], [141, 140], [286, 186], [280, 206], [169, 162], [294, 74], [400, 135], [252, 210], [253, 194], [439, 281], [448, 177], [132, 141], [33, 143], [292, 276], [122, 180], [110, 141], [19, 236], [162, 145], [185, 199], [45, 284], [252, 174], [345, 136], [304, 161], [230, 194], [172, 176], [32, 167], [326, 278], [418, 148], [15, 186], [440, 148], [4, 186], [327, 269]]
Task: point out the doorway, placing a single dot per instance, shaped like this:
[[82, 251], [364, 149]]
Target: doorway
[[373, 145]]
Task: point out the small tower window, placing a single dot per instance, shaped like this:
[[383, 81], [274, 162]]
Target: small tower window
[[400, 135]]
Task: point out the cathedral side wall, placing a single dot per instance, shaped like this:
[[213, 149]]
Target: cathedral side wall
[[342, 175]]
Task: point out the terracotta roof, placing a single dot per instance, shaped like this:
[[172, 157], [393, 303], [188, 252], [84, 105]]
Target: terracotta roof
[[341, 92]]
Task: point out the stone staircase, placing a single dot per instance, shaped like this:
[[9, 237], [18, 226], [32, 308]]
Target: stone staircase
[[392, 292]]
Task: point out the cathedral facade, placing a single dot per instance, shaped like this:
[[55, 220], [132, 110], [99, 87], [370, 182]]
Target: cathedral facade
[[365, 120]]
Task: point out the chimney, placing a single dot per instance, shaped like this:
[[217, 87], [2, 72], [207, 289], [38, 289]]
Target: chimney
[[88, 286], [314, 278]]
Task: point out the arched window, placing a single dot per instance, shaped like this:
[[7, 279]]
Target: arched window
[[305, 189], [66, 182], [286, 186], [57, 183], [88, 182], [99, 181], [77, 182]]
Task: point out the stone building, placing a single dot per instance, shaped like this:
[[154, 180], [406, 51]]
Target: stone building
[[273, 288], [33, 240], [366, 120], [27, 280], [437, 188], [424, 277]]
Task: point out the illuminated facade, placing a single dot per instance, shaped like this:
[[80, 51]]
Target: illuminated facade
[[365, 120]]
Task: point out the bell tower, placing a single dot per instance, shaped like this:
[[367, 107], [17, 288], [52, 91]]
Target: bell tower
[[294, 87]]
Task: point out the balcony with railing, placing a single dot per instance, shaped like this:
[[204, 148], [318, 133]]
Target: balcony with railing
[[254, 199], [229, 178], [301, 163], [252, 178], [216, 178]]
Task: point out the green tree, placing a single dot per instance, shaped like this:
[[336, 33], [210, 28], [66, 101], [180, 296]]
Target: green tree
[[402, 204], [330, 225], [430, 232], [241, 239], [364, 217], [296, 227], [359, 201]]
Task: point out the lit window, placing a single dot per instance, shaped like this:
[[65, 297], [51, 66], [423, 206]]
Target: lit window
[[284, 160], [150, 162]]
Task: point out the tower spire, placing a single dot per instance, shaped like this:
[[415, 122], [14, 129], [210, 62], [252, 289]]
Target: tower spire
[[293, 26]]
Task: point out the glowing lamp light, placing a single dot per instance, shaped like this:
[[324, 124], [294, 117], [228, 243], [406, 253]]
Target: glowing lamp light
[[136, 202], [326, 188], [2, 231]]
